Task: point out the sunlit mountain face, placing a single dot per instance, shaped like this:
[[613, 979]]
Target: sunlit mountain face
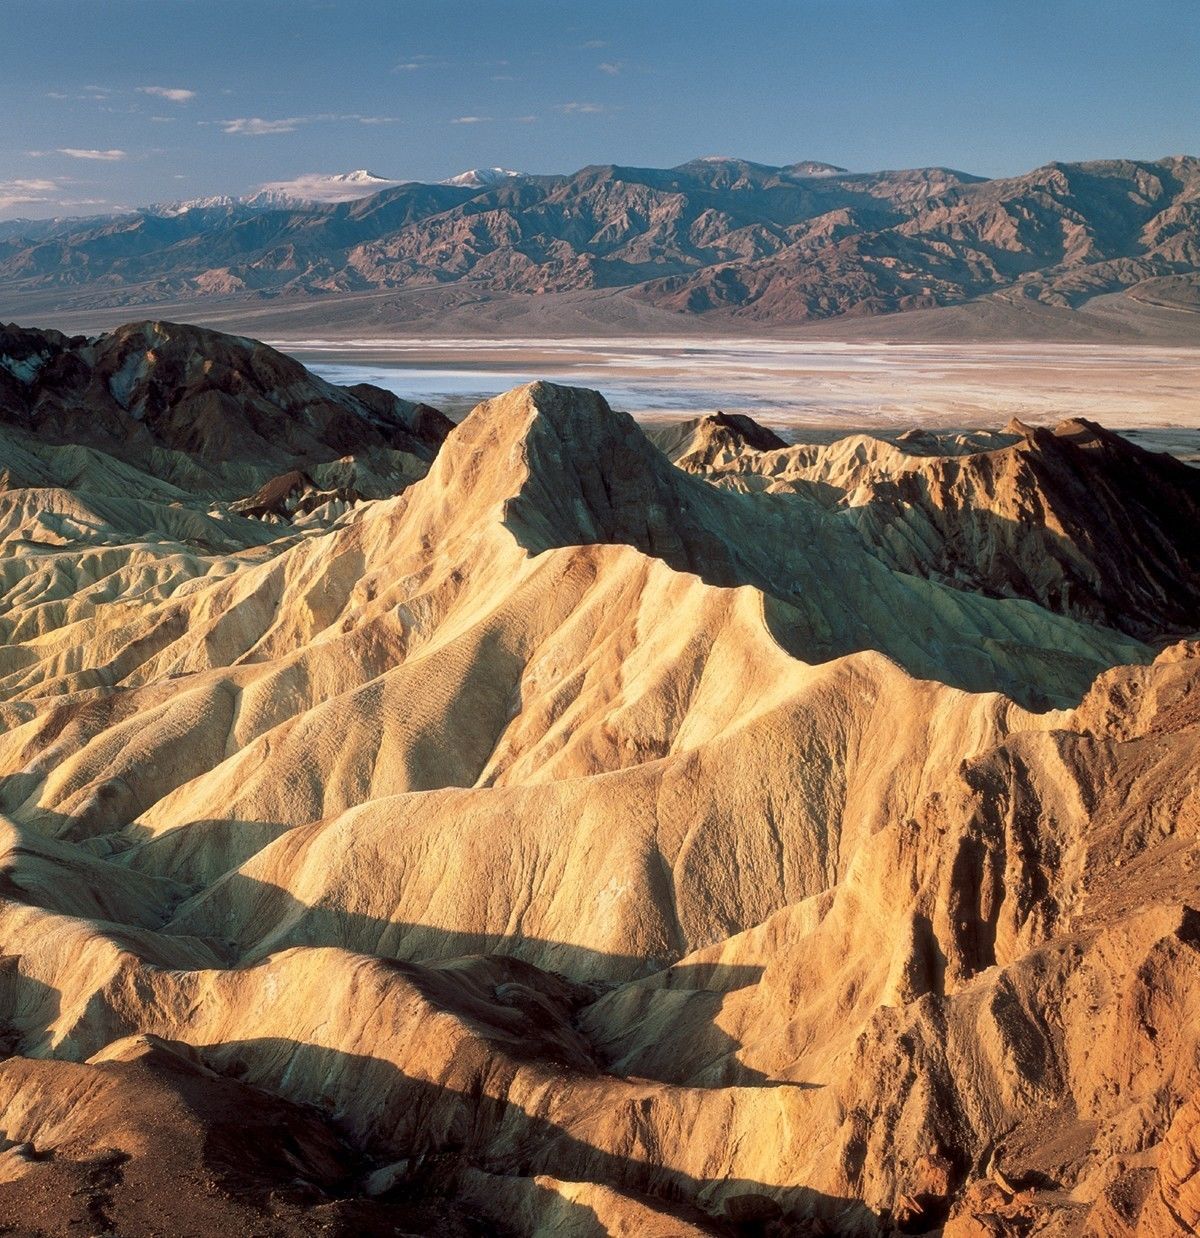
[[717, 240]]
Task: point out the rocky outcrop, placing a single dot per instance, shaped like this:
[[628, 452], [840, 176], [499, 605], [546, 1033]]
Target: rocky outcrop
[[186, 389]]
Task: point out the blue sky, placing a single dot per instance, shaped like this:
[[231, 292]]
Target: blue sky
[[117, 102]]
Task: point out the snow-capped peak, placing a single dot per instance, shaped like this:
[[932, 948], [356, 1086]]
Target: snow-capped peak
[[319, 187], [360, 177], [168, 210], [480, 178]]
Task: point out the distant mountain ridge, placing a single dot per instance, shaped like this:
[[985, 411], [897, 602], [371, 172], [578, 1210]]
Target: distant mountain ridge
[[720, 237]]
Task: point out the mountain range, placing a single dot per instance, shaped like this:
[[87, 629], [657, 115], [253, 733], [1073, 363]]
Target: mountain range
[[717, 241], [546, 825]]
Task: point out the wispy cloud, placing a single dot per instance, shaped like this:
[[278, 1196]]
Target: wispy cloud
[[25, 192], [504, 77], [76, 152], [10, 200], [524, 120], [40, 192], [256, 126], [593, 44], [175, 94], [29, 186], [87, 94], [470, 120], [611, 67], [413, 63], [576, 108]]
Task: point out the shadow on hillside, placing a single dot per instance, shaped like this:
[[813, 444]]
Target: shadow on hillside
[[239, 920], [547, 984], [443, 1136], [23, 999], [471, 1146], [1133, 567], [832, 589]]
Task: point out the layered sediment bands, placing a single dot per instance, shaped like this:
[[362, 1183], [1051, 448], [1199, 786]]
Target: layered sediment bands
[[570, 844]]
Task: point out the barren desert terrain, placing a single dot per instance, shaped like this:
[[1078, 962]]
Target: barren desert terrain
[[555, 824]]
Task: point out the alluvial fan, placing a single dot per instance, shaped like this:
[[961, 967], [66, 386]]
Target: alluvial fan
[[529, 827]]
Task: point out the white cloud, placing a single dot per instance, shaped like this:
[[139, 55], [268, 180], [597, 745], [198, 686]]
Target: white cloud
[[40, 192], [28, 186], [256, 126], [524, 120], [577, 108], [592, 44], [107, 156], [470, 120], [611, 67], [175, 94]]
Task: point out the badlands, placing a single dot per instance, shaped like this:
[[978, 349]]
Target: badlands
[[542, 826]]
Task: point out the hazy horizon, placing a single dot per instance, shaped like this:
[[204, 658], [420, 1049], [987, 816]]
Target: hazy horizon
[[150, 103]]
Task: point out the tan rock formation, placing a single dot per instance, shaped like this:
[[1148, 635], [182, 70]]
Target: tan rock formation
[[595, 847]]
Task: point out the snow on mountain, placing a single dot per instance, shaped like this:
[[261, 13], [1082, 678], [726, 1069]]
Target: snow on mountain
[[168, 210], [813, 167], [319, 187], [481, 178]]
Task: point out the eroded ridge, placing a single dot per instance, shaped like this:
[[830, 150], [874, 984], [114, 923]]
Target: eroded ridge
[[582, 838]]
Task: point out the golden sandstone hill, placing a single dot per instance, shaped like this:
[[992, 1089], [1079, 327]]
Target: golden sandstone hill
[[595, 836]]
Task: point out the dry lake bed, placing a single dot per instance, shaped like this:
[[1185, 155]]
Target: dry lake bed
[[1151, 392]]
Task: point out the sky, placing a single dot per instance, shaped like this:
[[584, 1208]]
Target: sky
[[109, 104]]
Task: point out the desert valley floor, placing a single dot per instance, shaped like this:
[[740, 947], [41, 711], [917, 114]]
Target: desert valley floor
[[790, 383], [540, 822]]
